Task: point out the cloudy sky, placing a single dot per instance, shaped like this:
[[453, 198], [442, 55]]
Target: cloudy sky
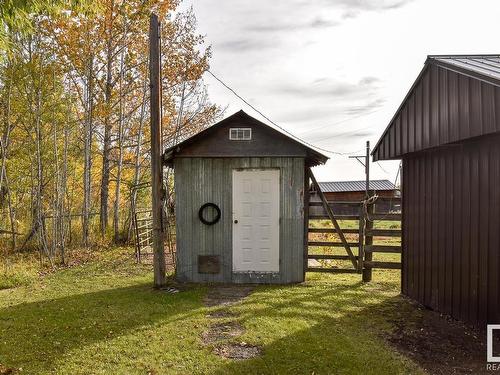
[[333, 72]]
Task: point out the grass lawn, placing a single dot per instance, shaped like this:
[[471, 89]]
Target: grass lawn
[[103, 317]]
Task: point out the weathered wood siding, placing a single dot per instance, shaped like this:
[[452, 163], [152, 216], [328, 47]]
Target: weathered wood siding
[[202, 180]]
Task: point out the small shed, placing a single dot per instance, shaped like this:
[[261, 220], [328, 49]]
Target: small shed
[[239, 203], [447, 132]]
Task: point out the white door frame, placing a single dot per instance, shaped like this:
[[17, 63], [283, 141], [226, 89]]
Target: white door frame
[[256, 220]]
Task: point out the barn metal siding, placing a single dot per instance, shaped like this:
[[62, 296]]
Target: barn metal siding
[[442, 107], [451, 229], [202, 180]]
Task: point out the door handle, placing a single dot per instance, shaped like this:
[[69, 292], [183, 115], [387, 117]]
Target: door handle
[[236, 221]]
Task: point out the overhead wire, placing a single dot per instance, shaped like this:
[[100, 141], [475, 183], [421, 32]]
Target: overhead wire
[[344, 120], [339, 135], [274, 123], [380, 166]]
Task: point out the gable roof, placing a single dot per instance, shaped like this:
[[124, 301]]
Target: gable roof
[[351, 186], [446, 81], [486, 67], [240, 119]]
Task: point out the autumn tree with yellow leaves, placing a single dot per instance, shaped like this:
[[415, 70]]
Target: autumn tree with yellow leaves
[[74, 118]]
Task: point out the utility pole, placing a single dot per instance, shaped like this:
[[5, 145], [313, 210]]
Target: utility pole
[[366, 164], [156, 150], [365, 222], [367, 169]]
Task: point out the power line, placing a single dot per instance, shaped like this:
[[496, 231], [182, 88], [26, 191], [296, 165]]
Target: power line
[[386, 172], [300, 139], [272, 122], [380, 166], [353, 132], [344, 120]]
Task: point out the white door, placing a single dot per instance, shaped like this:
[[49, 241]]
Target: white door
[[256, 203]]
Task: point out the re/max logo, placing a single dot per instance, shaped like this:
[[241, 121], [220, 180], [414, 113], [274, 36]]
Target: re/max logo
[[489, 346]]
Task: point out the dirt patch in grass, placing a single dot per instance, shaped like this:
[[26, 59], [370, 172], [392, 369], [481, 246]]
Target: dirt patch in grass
[[222, 331], [226, 295], [440, 344], [147, 259], [238, 351], [221, 314], [7, 370]]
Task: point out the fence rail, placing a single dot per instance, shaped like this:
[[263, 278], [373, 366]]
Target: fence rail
[[369, 219]]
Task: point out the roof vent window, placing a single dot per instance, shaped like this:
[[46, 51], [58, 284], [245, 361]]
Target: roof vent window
[[240, 134]]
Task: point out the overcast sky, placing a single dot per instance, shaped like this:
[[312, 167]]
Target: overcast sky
[[333, 72]]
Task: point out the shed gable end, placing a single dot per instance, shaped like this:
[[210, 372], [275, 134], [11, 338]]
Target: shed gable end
[[241, 135], [261, 141]]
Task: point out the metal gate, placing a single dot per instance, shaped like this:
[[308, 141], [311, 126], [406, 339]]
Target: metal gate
[[143, 228], [351, 248]]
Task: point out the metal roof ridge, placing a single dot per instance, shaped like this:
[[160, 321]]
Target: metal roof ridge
[[441, 61]]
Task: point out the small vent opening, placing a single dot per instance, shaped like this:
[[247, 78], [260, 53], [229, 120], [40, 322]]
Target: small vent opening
[[240, 134]]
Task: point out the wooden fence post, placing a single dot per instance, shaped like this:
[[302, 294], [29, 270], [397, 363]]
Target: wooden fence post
[[367, 271], [156, 151], [361, 238], [306, 220]]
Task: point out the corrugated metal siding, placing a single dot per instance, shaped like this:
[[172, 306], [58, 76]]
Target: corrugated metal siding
[[451, 229], [202, 180], [443, 107]]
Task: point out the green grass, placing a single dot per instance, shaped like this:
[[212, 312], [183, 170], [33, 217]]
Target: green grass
[[18, 270], [103, 317], [352, 224]]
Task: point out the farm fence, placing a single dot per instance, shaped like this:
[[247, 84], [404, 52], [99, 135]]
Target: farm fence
[[372, 236]]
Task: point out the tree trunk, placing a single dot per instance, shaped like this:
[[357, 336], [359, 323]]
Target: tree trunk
[[12, 217], [87, 151], [116, 209], [64, 188], [39, 211], [56, 216], [137, 158], [103, 218], [4, 146]]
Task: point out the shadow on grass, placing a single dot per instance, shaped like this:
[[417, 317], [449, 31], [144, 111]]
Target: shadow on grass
[[336, 329], [37, 334], [332, 327]]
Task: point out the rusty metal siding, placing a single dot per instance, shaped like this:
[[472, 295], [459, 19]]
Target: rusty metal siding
[[443, 107], [202, 180], [451, 229]]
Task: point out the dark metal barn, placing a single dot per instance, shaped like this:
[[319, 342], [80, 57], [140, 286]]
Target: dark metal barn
[[447, 132], [239, 203]]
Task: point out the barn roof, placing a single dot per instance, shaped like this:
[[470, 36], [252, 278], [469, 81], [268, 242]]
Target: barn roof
[[453, 98], [351, 186], [482, 66], [276, 139]]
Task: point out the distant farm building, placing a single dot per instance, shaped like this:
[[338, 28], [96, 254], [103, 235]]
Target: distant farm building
[[344, 193], [240, 187], [447, 132]]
